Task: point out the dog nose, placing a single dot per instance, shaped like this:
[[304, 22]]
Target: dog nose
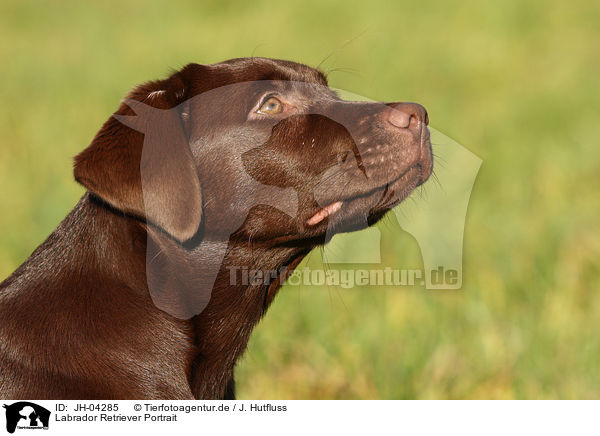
[[407, 115]]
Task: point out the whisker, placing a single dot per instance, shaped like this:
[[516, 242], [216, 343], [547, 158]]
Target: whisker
[[337, 49], [256, 48], [344, 70], [440, 160], [436, 179], [161, 251]]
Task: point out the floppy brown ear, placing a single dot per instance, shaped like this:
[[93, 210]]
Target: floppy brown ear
[[140, 161]]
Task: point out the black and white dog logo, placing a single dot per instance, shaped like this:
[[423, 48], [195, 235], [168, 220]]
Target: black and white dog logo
[[25, 415]]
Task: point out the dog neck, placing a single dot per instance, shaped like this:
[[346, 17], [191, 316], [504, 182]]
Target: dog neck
[[230, 283], [208, 282], [237, 304]]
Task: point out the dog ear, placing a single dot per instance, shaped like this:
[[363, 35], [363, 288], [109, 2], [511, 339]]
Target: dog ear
[[140, 161]]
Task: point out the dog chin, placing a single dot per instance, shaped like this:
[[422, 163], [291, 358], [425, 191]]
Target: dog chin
[[361, 211]]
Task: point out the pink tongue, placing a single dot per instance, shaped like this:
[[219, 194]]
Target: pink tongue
[[324, 213]]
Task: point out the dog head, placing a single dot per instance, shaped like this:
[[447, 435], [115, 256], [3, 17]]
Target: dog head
[[255, 148]]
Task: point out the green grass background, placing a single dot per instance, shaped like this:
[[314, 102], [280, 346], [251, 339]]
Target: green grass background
[[515, 82]]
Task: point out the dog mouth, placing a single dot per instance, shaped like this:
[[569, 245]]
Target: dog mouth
[[377, 200]]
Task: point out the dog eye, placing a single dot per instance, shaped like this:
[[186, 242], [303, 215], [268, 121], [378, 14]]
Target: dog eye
[[271, 106]]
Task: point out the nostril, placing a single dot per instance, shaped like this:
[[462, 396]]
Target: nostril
[[407, 115], [414, 121]]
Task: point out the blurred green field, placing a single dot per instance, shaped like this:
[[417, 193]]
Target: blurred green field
[[515, 82]]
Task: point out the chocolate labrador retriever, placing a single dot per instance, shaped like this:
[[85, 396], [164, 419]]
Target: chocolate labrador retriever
[[249, 163]]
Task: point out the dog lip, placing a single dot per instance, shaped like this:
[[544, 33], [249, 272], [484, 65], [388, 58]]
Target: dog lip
[[335, 206], [378, 187]]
